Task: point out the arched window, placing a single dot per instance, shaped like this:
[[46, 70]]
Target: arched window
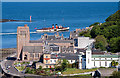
[[25, 57]]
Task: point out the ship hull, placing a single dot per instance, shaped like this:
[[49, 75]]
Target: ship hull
[[53, 30]]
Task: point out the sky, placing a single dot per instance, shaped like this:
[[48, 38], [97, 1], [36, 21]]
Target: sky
[[60, 0]]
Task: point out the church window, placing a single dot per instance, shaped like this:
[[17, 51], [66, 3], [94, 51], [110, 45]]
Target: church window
[[25, 58], [31, 55], [36, 55]]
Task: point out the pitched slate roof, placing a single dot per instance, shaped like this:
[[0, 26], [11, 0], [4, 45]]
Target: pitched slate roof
[[36, 41], [60, 41], [51, 41], [33, 49], [51, 37], [64, 49], [68, 56]]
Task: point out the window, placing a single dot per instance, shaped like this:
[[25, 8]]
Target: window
[[105, 62], [54, 60], [36, 55], [100, 61], [22, 32], [32, 55], [46, 56], [88, 60], [51, 60], [71, 61], [94, 61], [46, 66], [25, 57], [46, 61]]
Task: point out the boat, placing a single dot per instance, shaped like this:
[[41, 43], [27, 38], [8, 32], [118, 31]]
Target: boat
[[53, 29]]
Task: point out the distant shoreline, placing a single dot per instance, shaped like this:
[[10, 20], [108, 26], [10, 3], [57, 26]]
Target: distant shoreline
[[11, 20]]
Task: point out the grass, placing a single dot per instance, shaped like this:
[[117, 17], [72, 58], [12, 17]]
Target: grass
[[83, 75], [21, 68], [75, 71]]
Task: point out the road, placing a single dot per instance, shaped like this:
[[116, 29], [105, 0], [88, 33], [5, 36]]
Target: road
[[12, 70]]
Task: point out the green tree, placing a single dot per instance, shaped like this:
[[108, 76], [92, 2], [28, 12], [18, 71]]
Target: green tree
[[64, 64], [101, 42], [115, 74], [85, 33], [115, 44], [40, 68], [114, 64], [96, 23]]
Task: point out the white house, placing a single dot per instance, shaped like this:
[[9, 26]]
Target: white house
[[90, 60]]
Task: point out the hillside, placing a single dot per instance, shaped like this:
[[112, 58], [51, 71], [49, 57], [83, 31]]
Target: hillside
[[108, 32]]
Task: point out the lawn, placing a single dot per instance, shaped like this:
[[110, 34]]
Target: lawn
[[75, 71], [20, 68]]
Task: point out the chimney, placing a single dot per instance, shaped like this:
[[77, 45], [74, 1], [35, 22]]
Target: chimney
[[25, 25]]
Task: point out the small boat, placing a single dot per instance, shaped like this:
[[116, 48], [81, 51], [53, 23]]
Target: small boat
[[52, 29]]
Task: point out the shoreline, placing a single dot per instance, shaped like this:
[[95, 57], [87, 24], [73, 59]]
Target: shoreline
[[11, 20]]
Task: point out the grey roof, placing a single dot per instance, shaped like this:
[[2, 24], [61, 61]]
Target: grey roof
[[64, 49], [51, 37], [60, 41], [32, 49], [68, 56], [36, 41], [51, 41]]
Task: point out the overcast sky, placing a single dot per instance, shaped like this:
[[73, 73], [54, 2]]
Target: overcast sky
[[59, 0]]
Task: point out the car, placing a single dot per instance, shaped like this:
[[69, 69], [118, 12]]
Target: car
[[8, 67]]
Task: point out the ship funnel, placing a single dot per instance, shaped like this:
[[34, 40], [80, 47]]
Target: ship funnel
[[56, 26], [52, 26]]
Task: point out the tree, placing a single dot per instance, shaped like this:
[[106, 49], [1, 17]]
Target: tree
[[40, 68], [115, 74], [85, 33], [101, 42], [64, 64], [114, 64], [115, 44], [96, 23]]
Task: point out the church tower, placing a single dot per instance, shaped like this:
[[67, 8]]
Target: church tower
[[23, 37], [88, 57]]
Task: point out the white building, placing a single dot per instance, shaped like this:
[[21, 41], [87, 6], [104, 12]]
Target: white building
[[90, 60]]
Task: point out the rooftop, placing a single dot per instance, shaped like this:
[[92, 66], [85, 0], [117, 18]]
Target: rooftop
[[32, 49]]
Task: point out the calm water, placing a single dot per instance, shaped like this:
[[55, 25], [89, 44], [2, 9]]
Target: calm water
[[75, 15]]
